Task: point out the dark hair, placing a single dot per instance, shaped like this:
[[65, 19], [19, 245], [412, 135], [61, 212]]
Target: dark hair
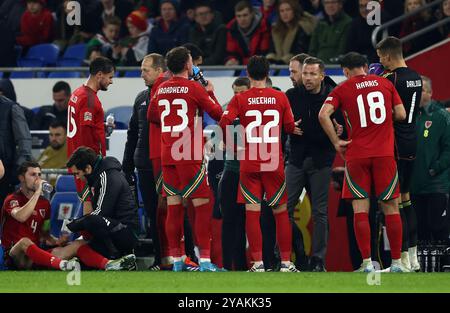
[[281, 27], [258, 67], [57, 123], [176, 59], [112, 20], [158, 61], [242, 81], [300, 57], [313, 60], [82, 157], [200, 4], [391, 46], [353, 60], [196, 52], [241, 5], [23, 168], [62, 86], [101, 64]]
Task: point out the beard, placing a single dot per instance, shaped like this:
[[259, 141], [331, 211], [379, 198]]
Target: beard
[[56, 146], [103, 87]]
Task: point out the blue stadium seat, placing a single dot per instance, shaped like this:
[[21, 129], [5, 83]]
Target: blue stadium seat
[[65, 183], [64, 75], [69, 62], [284, 72], [132, 74], [64, 205], [47, 52], [36, 110], [222, 73], [28, 62], [333, 71], [121, 113], [75, 52], [121, 125]]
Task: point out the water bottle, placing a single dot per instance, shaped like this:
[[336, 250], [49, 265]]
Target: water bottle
[[109, 124], [46, 187], [198, 75]]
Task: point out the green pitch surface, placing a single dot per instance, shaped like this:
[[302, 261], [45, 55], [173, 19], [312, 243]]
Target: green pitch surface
[[53, 281]]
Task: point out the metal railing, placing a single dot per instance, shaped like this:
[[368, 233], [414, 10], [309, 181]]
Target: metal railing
[[403, 17]]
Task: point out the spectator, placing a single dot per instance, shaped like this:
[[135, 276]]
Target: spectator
[[134, 48], [416, 23], [209, 34], [360, 38], [248, 34], [171, 30], [7, 90], [114, 222], [329, 38], [107, 41], [311, 154], [58, 111], [268, 10], [291, 33], [430, 180], [196, 53], [15, 143], [10, 13], [314, 7], [98, 11], [36, 24], [445, 30], [55, 155]]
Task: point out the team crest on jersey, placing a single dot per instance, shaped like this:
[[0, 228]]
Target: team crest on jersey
[[428, 124], [74, 99], [42, 212], [87, 116], [13, 203]]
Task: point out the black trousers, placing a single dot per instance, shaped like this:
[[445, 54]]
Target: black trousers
[[432, 216], [111, 238], [233, 223]]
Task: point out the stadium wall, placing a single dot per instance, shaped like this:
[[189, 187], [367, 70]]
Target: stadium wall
[[33, 93]]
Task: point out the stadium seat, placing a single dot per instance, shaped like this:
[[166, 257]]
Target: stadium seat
[[132, 74], [28, 62], [64, 75], [284, 72], [223, 73], [47, 52], [69, 62], [64, 205], [121, 125], [121, 114], [65, 183], [75, 52], [36, 110], [333, 71]]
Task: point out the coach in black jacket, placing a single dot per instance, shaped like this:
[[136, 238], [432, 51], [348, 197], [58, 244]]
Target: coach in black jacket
[[310, 156], [114, 221]]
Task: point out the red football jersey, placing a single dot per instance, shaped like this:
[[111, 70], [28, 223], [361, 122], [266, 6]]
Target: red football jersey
[[262, 112], [85, 121], [180, 104], [14, 230], [367, 102], [155, 129]]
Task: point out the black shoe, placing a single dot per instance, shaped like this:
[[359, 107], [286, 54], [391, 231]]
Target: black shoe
[[302, 263], [316, 265]]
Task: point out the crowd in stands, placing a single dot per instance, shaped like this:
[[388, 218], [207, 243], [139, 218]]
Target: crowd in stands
[[228, 32]]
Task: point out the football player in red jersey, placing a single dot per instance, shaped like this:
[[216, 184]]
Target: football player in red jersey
[[370, 104], [85, 119], [26, 223], [180, 103], [262, 112]]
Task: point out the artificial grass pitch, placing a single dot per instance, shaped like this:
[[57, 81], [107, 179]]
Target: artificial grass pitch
[[229, 282]]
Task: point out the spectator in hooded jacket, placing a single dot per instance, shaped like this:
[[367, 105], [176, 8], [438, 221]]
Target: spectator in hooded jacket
[[209, 34], [170, 31], [248, 34], [36, 24], [291, 33]]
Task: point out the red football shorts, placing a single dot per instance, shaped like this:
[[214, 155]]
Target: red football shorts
[[186, 180], [364, 176], [253, 185], [157, 174]]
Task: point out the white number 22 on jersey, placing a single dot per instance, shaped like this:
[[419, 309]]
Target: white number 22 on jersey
[[266, 130], [377, 110], [182, 112]]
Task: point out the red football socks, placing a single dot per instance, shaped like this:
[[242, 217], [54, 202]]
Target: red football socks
[[174, 226], [42, 257], [284, 234], [362, 233], [253, 229], [394, 232], [91, 258]]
